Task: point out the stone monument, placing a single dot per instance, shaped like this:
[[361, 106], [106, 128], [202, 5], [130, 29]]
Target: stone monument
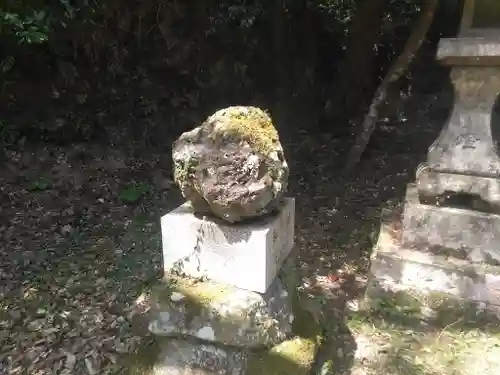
[[228, 303], [449, 250]]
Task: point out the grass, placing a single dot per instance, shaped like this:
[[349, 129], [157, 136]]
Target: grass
[[384, 347]]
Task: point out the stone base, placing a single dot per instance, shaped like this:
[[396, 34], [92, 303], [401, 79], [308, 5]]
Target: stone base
[[206, 328], [220, 313], [295, 356], [481, 191], [245, 255], [459, 233], [430, 286]]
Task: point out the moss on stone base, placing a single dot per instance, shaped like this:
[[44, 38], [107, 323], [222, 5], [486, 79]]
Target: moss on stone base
[[194, 295], [202, 292]]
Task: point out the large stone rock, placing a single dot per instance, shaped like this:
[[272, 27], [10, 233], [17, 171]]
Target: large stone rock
[[221, 313], [233, 165]]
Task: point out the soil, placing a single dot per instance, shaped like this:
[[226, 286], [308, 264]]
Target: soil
[[80, 222]]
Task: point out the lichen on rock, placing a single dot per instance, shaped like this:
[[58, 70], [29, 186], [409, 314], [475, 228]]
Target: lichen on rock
[[232, 165]]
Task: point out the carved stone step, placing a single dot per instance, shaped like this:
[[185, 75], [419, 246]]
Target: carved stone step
[[483, 191], [470, 49], [462, 234], [428, 283]]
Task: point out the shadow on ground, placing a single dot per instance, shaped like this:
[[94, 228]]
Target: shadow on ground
[[80, 229]]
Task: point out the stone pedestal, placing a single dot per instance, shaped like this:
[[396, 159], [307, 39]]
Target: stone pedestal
[[246, 255], [429, 285], [229, 302], [221, 313], [464, 234], [448, 251]]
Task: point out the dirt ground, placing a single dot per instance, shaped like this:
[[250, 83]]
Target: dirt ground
[[80, 230]]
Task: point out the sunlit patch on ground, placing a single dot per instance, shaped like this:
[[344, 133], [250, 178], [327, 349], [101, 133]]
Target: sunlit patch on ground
[[385, 348]]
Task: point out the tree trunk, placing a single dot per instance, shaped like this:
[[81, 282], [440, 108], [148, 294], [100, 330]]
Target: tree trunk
[[307, 40], [279, 40], [355, 74], [395, 72]]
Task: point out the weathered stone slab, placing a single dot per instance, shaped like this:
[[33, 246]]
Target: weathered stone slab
[[182, 357], [465, 234], [221, 313], [426, 306], [400, 271], [246, 255], [484, 192], [472, 49], [430, 280]]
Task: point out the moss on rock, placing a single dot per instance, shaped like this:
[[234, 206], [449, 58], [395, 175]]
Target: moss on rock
[[295, 356], [232, 166], [201, 292], [196, 296], [249, 124]]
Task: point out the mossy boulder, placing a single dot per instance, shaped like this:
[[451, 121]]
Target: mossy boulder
[[232, 165]]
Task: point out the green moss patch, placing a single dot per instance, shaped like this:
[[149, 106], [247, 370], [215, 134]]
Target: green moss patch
[[203, 293], [250, 124], [197, 296]]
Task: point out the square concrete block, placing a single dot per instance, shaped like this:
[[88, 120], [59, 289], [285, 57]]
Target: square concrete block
[[245, 255]]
